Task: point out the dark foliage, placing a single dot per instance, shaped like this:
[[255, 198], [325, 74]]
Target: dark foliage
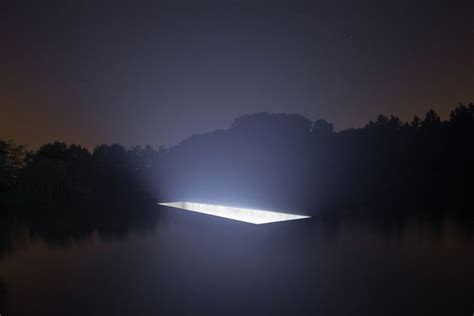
[[264, 160], [288, 162]]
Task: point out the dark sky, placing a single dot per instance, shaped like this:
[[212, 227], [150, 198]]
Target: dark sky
[[157, 72]]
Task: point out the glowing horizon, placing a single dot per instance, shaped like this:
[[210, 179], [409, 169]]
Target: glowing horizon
[[246, 215]]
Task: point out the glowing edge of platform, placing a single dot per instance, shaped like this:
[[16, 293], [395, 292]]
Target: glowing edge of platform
[[236, 213]]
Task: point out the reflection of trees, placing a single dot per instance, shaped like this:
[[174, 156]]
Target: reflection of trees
[[65, 227], [3, 298], [7, 236]]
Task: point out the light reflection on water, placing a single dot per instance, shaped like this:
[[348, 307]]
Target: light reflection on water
[[193, 264]]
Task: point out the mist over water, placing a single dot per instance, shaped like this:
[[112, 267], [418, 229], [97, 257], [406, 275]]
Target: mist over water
[[187, 263]]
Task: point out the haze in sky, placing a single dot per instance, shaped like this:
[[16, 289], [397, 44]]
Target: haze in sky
[[157, 72]]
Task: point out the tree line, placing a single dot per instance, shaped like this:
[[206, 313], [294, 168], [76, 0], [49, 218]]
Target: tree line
[[277, 161]]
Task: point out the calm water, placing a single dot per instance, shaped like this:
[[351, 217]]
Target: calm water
[[191, 264]]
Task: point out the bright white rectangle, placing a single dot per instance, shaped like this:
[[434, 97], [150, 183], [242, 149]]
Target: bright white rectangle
[[236, 213]]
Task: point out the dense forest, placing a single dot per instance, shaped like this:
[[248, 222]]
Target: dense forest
[[275, 161]]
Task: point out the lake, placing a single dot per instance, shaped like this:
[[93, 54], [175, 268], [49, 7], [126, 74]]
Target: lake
[[183, 263]]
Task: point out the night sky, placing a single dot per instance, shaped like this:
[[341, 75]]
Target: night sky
[[156, 73]]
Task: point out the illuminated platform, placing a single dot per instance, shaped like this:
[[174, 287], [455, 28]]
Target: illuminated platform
[[236, 213]]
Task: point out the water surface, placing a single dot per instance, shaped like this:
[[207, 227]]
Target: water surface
[[183, 263]]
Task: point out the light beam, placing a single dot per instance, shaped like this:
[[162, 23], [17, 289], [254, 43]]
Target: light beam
[[236, 213]]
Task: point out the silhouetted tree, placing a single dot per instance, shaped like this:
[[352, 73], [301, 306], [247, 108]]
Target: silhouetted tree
[[322, 127], [12, 159], [432, 120], [267, 160]]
